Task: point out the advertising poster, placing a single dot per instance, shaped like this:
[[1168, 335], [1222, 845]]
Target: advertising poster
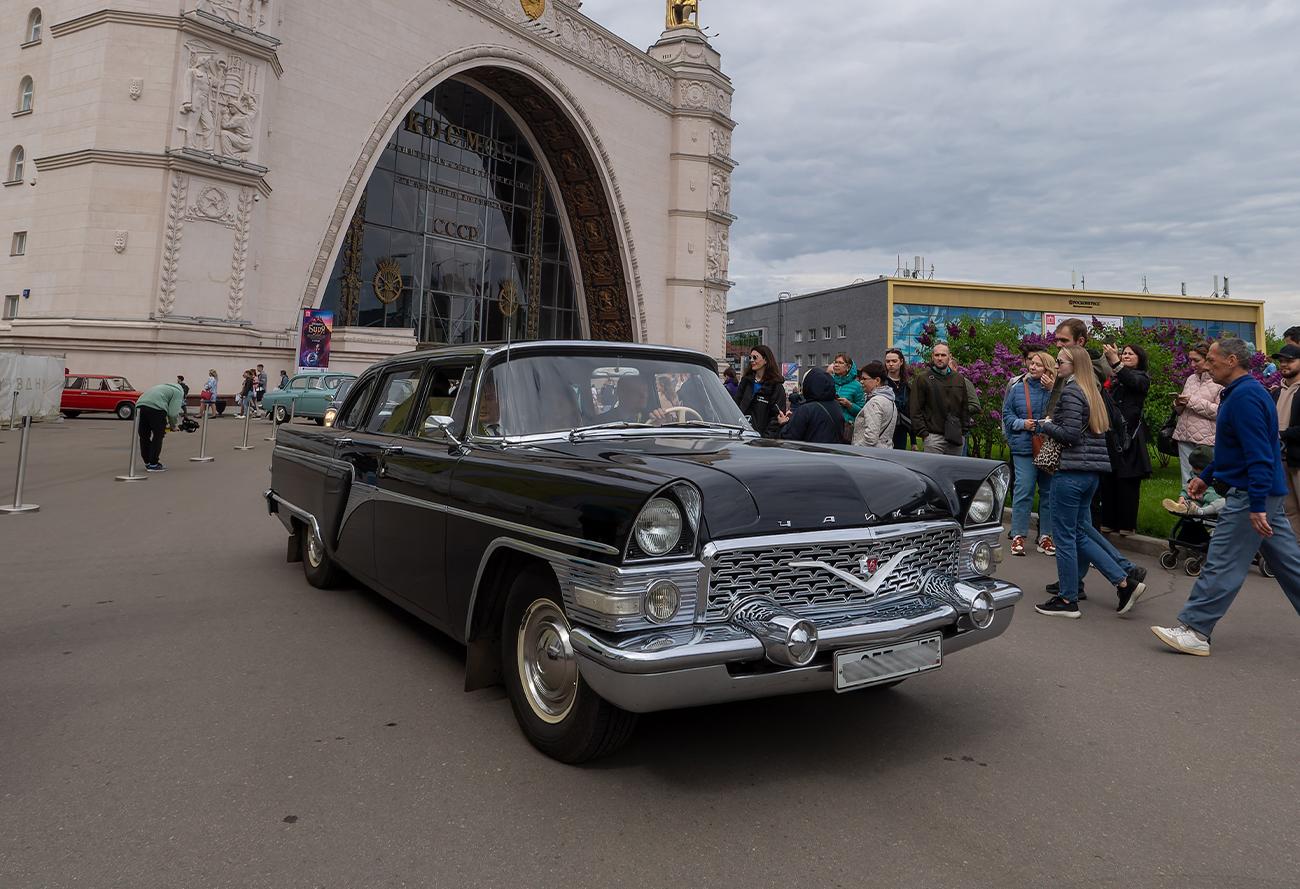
[[314, 344], [1051, 319]]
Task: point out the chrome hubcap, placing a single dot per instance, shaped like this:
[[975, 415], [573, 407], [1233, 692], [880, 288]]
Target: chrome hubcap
[[315, 550], [548, 670]]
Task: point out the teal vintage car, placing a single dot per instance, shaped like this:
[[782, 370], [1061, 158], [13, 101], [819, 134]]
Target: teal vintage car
[[307, 395]]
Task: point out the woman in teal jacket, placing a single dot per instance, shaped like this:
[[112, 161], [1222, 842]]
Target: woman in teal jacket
[[849, 391]]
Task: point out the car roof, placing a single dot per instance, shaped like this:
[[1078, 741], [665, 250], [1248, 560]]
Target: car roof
[[550, 346], [324, 373]]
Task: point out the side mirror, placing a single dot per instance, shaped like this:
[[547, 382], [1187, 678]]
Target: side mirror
[[441, 424]]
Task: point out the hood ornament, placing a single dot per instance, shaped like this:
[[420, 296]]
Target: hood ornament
[[873, 583]]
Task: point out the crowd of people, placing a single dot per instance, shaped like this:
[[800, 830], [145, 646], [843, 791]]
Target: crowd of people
[[1077, 441]]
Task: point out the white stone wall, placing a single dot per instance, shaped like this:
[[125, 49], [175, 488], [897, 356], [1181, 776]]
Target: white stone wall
[[147, 262]]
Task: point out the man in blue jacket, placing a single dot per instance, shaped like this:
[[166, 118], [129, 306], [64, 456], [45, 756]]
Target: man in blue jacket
[[1247, 470]]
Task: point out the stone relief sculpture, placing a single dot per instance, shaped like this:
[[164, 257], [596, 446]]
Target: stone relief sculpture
[[719, 252], [249, 13], [720, 142], [720, 192], [683, 14], [220, 102]]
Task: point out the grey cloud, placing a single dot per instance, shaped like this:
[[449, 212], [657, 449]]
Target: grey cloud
[[1011, 141]]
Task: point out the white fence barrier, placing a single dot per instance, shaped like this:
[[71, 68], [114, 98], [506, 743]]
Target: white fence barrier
[[38, 380]]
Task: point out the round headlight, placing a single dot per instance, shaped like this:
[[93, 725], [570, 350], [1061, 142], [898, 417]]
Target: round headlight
[[982, 505], [661, 601], [981, 557], [659, 527]]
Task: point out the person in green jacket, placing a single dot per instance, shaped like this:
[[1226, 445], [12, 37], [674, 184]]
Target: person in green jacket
[[160, 409], [851, 398]]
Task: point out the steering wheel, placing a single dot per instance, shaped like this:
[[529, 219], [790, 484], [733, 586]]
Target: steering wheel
[[682, 410]]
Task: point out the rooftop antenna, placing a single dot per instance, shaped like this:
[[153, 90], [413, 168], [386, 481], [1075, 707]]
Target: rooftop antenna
[[916, 266], [1184, 288], [932, 274], [1215, 294], [1225, 286], [898, 265], [1083, 281], [1144, 284], [1074, 280]]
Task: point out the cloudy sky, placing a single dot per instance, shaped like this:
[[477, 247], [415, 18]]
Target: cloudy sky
[[1010, 141]]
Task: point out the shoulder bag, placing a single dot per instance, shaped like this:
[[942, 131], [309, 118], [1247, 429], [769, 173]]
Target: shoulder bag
[[1048, 457], [1165, 442]]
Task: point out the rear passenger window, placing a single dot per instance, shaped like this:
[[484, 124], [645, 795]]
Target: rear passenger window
[[353, 412], [391, 414]]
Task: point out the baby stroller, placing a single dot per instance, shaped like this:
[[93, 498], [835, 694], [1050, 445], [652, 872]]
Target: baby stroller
[[1191, 535]]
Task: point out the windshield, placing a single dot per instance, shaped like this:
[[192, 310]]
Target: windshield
[[558, 393]]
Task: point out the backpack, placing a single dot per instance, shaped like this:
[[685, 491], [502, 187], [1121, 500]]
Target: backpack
[[1119, 438]]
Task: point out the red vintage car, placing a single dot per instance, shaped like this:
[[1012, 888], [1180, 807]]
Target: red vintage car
[[84, 393]]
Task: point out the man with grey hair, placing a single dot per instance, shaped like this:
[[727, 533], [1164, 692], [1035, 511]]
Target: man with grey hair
[[1247, 471]]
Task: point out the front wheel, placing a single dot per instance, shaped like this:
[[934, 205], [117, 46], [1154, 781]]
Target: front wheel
[[125, 410], [1264, 568], [281, 414], [1192, 567], [72, 414], [1168, 560], [558, 712]]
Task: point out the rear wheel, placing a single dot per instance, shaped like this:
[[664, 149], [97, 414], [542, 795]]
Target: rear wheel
[[1192, 567], [281, 414], [558, 712], [319, 568], [125, 410], [1264, 569], [1169, 560]]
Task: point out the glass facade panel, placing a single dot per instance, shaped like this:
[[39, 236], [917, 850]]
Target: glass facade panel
[[910, 321], [457, 224]]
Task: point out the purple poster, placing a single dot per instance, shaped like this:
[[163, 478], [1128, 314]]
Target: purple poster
[[314, 345]]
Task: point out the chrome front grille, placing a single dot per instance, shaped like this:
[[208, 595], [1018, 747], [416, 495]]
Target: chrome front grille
[[763, 568]]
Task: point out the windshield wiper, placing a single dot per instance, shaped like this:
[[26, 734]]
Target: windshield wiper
[[708, 424], [620, 424]]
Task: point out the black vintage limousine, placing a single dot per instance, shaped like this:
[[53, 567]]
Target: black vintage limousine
[[604, 531]]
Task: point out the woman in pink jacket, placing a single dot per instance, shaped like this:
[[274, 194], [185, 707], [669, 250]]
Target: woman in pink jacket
[[1198, 408]]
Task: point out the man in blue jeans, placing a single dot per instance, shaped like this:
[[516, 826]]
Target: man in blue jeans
[[1247, 470]]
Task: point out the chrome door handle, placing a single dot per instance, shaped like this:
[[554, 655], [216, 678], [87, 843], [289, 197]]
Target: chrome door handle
[[391, 450], [343, 442]]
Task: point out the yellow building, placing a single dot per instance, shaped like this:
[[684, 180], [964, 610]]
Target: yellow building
[[912, 303]]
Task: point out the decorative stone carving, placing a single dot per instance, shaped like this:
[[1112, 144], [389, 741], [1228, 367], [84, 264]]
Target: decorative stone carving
[[119, 241], [720, 142], [533, 8], [248, 13], [220, 102], [720, 192], [136, 88], [239, 262], [589, 44], [212, 205], [703, 96], [172, 241], [719, 251]]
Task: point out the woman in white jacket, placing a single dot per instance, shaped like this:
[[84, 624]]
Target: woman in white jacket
[[1198, 410], [874, 426]]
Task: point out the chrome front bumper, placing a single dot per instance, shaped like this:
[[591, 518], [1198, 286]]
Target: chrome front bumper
[[695, 666]]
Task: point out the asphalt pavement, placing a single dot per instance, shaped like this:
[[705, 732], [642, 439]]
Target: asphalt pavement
[[178, 708]]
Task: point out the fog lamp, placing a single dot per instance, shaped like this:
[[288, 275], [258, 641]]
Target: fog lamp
[[661, 601], [982, 610], [802, 643], [981, 558]]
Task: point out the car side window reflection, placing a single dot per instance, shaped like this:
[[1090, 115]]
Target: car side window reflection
[[391, 413], [354, 410], [298, 383], [446, 395]]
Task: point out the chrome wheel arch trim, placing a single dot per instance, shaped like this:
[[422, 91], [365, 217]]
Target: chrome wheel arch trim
[[299, 513]]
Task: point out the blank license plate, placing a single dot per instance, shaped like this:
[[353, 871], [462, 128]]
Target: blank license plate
[[861, 667]]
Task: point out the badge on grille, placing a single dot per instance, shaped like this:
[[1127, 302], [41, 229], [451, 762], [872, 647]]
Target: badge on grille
[[868, 566]]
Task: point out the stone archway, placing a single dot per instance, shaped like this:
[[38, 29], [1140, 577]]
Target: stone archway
[[588, 189]]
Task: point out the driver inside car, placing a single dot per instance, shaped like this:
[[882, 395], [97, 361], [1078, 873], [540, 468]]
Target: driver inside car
[[634, 404]]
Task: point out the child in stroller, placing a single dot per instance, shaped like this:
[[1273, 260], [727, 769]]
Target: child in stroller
[[1196, 521]]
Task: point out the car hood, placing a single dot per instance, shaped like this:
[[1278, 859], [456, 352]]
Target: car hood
[[757, 486]]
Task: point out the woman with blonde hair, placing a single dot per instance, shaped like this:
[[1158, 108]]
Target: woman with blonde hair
[[1080, 423], [1027, 400], [208, 398]]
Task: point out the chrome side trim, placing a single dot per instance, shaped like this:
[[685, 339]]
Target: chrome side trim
[[297, 512], [843, 535], [571, 571]]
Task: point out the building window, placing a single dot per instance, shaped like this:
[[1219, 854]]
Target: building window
[[843, 331], [812, 335], [826, 333], [19, 245], [25, 91], [798, 336], [17, 161], [11, 308], [34, 26]]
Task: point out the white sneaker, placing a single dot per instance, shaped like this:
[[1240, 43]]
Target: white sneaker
[[1183, 639]]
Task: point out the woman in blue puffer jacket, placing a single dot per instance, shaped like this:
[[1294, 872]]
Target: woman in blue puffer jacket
[[1027, 400], [848, 391]]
